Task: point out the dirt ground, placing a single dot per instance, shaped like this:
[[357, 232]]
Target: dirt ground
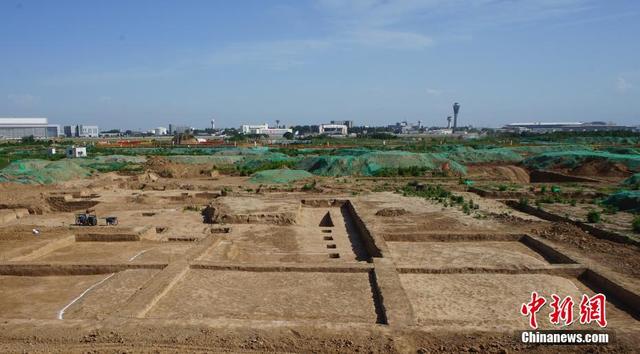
[[276, 274]]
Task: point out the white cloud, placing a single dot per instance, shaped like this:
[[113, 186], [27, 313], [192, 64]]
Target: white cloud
[[434, 92], [275, 55], [459, 15], [622, 85], [390, 39], [23, 100]]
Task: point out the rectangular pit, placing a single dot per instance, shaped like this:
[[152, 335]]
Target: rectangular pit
[[116, 252], [492, 301], [326, 297], [438, 250], [43, 297], [503, 254]]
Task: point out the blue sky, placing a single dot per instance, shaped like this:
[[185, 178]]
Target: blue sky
[[145, 63]]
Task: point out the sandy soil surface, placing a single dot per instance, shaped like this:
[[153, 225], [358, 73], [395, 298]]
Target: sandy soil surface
[[621, 258], [269, 296], [484, 301], [40, 297], [464, 254], [281, 306]]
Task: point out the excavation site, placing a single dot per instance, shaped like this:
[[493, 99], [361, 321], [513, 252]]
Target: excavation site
[[172, 259]]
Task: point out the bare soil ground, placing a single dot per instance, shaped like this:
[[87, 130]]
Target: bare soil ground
[[287, 276]]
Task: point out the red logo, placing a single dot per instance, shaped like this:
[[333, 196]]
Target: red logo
[[531, 308], [592, 309], [562, 310]]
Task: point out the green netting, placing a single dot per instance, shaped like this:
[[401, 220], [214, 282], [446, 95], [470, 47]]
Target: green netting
[[43, 171], [33, 171], [539, 149], [625, 200], [279, 176], [217, 160], [371, 163], [623, 150], [633, 180], [464, 154], [112, 163], [573, 159]]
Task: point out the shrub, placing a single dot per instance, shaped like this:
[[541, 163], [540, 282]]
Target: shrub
[[635, 225], [593, 217], [502, 188], [309, 186]]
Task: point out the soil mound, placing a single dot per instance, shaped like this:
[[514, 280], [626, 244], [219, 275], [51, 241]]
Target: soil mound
[[166, 168], [601, 168], [61, 204], [391, 212], [508, 173]]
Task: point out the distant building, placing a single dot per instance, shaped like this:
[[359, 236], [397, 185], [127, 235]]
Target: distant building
[[159, 131], [348, 123], [81, 131], [447, 131], [548, 127], [406, 128], [180, 129], [263, 129], [76, 151], [333, 129], [17, 128]]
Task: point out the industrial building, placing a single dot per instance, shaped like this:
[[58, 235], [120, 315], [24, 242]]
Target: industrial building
[[17, 128], [333, 129], [159, 131], [548, 127], [81, 131], [179, 129], [263, 129], [348, 123]]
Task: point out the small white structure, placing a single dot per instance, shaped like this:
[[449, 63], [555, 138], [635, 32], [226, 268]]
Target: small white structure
[[333, 129], [264, 129], [76, 151], [159, 131], [52, 151], [440, 132]]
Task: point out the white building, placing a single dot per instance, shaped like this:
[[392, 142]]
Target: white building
[[263, 129], [333, 129], [16, 128], [159, 131], [81, 131], [76, 151], [547, 127]]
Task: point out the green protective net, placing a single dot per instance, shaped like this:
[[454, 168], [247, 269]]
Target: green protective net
[[468, 155], [372, 163], [216, 160], [529, 150], [573, 159], [112, 163], [279, 176], [633, 180], [43, 171], [35, 171], [624, 200]]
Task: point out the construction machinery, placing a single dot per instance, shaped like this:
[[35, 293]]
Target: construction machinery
[[86, 219], [89, 218]]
